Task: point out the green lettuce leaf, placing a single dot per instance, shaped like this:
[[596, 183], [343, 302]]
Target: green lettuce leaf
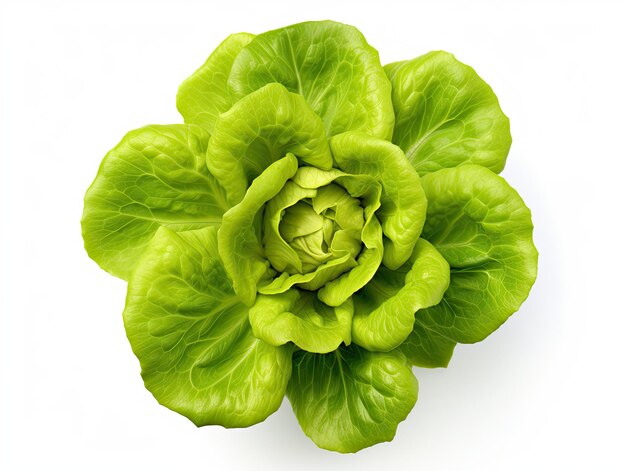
[[331, 65], [191, 334], [427, 348], [314, 280], [351, 398], [204, 95], [483, 229], [403, 203], [298, 316], [446, 115], [385, 308], [239, 236], [156, 176], [259, 129]]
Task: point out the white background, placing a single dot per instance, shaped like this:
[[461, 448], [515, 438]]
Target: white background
[[546, 391]]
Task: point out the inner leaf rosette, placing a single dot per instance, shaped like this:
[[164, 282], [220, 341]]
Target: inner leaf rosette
[[318, 229], [305, 229]]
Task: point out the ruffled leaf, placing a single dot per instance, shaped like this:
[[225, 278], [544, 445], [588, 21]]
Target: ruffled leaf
[[299, 317], [191, 334], [351, 399], [259, 129], [483, 229], [331, 65], [239, 236], [385, 308], [403, 203], [446, 115], [156, 176], [311, 281], [204, 95]]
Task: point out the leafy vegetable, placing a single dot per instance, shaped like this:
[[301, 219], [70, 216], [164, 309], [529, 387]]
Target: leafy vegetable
[[328, 63], [192, 336], [155, 177], [482, 228], [339, 396], [282, 241], [203, 96], [446, 115]]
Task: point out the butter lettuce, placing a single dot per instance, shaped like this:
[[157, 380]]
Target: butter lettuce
[[319, 225]]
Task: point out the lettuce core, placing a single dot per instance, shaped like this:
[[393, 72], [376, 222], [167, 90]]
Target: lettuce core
[[324, 225]]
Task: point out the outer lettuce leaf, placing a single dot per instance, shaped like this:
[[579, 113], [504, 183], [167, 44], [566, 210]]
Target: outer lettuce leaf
[[331, 65], [385, 308], [259, 129], [484, 230], [299, 317], [403, 203], [351, 399], [446, 115], [239, 236], [204, 95], [191, 334], [427, 348], [156, 176]]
